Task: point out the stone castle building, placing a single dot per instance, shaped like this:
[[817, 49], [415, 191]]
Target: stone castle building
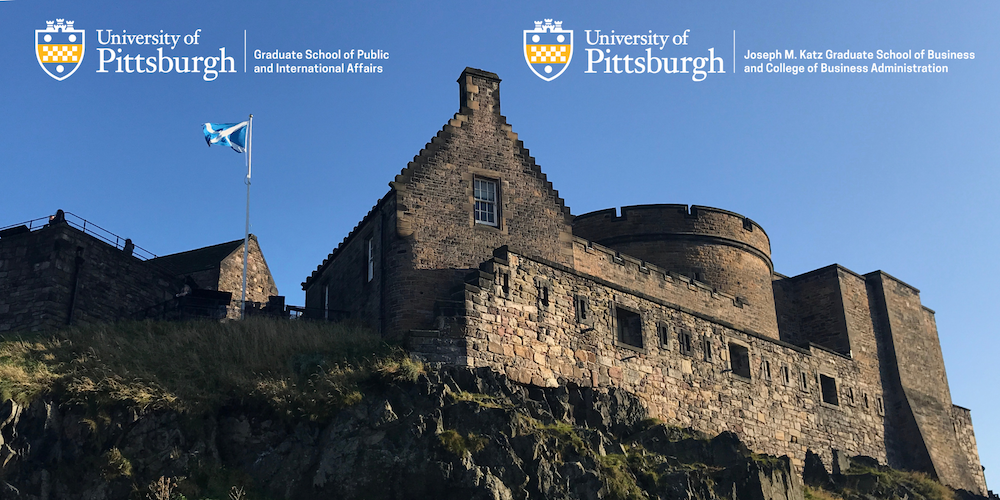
[[67, 271], [474, 259]]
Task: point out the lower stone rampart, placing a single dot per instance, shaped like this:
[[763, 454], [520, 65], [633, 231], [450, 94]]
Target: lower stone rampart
[[545, 324]]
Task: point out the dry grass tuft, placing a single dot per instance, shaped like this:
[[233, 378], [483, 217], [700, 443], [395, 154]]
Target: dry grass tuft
[[299, 367]]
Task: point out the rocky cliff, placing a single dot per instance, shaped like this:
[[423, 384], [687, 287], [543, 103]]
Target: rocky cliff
[[453, 433]]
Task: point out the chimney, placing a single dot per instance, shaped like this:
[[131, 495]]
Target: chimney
[[478, 91]]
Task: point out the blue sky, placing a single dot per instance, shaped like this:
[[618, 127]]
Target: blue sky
[[872, 171]]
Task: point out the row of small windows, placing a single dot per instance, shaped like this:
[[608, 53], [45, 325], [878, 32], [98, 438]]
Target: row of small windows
[[629, 332]]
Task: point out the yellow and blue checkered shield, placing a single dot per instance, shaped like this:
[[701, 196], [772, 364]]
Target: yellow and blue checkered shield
[[548, 49], [59, 49]]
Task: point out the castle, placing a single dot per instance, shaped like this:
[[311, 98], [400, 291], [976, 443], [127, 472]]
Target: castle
[[473, 259]]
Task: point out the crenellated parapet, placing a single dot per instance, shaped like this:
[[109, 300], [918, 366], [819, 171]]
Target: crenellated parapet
[[726, 250]]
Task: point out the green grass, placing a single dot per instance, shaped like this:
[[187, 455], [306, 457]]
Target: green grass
[[301, 368], [458, 444], [917, 481]]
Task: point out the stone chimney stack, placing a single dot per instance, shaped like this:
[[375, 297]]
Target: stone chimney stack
[[479, 91]]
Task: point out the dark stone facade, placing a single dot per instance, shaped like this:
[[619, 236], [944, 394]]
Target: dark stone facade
[[60, 275], [679, 305]]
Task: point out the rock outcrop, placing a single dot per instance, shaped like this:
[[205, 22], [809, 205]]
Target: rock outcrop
[[454, 433]]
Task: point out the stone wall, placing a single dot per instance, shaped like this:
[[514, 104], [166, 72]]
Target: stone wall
[[725, 250], [341, 283], [522, 316], [962, 419], [260, 283], [59, 275], [918, 398]]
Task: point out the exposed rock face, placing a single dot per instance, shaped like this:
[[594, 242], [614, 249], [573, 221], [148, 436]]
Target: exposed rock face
[[456, 433]]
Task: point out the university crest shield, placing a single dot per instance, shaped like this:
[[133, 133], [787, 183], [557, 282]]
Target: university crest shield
[[59, 48], [548, 49]]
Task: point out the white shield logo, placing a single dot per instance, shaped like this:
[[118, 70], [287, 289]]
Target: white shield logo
[[548, 49], [59, 48]]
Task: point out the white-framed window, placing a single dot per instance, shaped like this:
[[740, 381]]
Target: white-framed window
[[371, 257], [486, 193]]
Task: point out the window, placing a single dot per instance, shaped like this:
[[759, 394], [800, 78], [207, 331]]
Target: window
[[765, 369], [706, 348], [850, 396], [543, 295], [629, 327], [828, 387], [582, 309], [881, 409], [485, 194], [326, 301], [786, 375], [739, 360], [805, 382], [864, 399], [684, 339], [371, 257], [663, 335]]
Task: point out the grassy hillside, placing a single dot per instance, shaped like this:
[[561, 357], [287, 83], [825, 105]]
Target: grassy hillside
[[303, 369]]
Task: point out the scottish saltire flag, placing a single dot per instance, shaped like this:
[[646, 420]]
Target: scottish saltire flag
[[233, 135]]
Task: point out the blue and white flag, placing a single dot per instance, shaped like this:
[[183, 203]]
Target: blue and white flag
[[233, 135]]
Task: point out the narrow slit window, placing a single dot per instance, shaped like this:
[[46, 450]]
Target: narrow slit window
[[706, 347], [684, 339], [582, 309], [663, 335], [371, 258], [485, 194]]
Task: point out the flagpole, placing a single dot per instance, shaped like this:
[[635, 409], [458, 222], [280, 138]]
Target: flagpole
[[246, 234]]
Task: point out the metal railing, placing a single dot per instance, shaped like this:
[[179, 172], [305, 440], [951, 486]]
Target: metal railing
[[89, 228]]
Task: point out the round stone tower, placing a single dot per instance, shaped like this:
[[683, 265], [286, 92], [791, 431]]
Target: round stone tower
[[723, 249]]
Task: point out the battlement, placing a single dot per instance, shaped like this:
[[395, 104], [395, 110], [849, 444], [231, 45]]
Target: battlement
[[644, 221]]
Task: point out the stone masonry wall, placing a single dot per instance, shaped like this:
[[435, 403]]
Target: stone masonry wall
[[725, 250], [341, 283], [691, 295], [778, 409], [39, 271], [962, 419], [918, 388], [435, 206], [260, 283]]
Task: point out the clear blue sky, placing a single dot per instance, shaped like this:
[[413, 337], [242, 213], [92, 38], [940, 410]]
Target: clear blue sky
[[896, 172]]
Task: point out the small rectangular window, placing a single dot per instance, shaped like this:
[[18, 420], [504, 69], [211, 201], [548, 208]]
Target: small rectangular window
[[684, 340], [805, 382], [629, 327], [765, 369], [878, 405], [828, 387], [662, 333], [864, 400], [850, 396], [739, 360], [786, 375], [706, 347], [485, 194], [371, 257], [582, 309]]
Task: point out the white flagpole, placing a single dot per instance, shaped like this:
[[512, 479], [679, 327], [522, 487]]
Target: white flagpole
[[246, 234]]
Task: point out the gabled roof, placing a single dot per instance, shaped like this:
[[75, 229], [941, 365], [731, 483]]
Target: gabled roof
[[199, 259]]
